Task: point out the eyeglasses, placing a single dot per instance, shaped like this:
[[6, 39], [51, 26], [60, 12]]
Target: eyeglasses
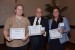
[[38, 12]]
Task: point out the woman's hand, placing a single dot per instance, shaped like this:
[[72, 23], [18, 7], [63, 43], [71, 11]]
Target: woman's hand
[[61, 30], [9, 39], [26, 37]]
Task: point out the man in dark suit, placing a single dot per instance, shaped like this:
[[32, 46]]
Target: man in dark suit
[[38, 42]]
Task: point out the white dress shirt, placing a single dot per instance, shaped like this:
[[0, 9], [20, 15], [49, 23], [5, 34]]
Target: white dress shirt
[[39, 21], [35, 20]]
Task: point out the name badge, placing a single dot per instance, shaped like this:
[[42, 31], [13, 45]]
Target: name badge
[[61, 24]]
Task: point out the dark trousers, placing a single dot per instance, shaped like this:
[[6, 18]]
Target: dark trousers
[[55, 44], [63, 46], [18, 48], [38, 42]]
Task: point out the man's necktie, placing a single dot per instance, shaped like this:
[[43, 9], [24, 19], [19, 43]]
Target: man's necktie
[[37, 22]]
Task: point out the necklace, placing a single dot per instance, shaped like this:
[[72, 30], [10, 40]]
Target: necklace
[[19, 21]]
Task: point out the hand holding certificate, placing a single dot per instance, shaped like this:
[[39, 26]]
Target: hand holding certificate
[[54, 34], [61, 28], [17, 33], [8, 39], [34, 30], [43, 31]]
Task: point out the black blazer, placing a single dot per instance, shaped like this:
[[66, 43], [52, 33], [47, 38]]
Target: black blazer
[[44, 23]]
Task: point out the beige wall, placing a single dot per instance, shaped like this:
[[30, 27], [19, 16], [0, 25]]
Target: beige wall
[[1, 36], [6, 9], [70, 14]]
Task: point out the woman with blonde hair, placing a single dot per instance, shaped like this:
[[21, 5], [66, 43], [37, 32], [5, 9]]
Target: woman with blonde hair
[[17, 21]]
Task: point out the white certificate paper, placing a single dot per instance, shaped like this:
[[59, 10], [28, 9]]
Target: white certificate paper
[[54, 34], [17, 33], [34, 30]]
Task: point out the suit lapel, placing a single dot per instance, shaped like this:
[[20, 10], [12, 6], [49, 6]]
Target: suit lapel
[[41, 21], [32, 20]]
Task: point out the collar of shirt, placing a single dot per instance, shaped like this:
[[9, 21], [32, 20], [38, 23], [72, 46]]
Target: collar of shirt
[[36, 20]]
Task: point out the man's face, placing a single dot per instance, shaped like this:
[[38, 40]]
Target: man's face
[[38, 12]]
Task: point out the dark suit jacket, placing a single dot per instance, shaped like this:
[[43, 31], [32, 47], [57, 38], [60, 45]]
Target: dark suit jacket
[[44, 23]]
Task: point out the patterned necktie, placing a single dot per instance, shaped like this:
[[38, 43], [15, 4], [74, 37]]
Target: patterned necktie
[[37, 22]]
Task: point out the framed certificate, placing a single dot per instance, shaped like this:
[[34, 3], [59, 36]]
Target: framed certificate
[[54, 34], [17, 33], [34, 30]]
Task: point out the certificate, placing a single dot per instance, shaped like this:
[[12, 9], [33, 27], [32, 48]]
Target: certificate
[[34, 30], [43, 28], [17, 33], [54, 34]]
